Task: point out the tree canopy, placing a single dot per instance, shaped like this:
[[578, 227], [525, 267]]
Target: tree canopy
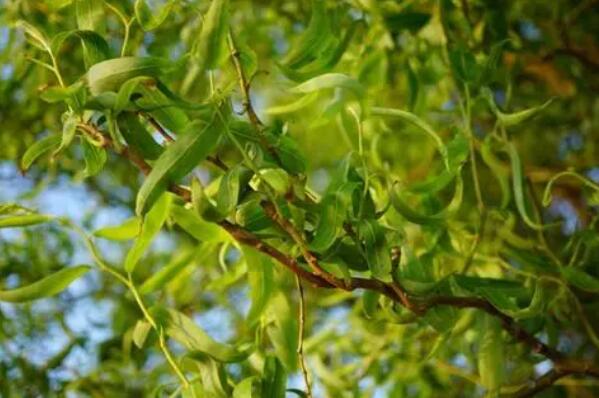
[[326, 198]]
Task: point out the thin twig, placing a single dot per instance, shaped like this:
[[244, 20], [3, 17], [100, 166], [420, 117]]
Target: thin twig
[[300, 340], [244, 85]]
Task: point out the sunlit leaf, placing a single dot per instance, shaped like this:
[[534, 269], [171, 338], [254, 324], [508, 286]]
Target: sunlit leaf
[[46, 287]]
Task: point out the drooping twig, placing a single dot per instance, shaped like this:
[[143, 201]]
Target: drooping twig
[[300, 340]]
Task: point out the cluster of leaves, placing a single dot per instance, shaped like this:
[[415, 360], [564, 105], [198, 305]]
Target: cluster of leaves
[[427, 234]]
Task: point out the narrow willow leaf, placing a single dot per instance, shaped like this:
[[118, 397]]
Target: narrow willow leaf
[[212, 374], [46, 287], [252, 216], [58, 94], [378, 253], [511, 119], [35, 36], [580, 279], [292, 158], [261, 282], [326, 59], [129, 229], [518, 186], [491, 354], [418, 217], [416, 121], [283, 332], [95, 48], [90, 15], [109, 75], [330, 80], [39, 148], [275, 378], [333, 211], [537, 305], [294, 106], [151, 225], [246, 388], [123, 98], [137, 137], [277, 179], [370, 301], [316, 37], [140, 332], [212, 44], [230, 188], [151, 20], [179, 159], [24, 220], [197, 227], [170, 271], [187, 332], [585, 181], [499, 170], [165, 106], [69, 127], [95, 158]]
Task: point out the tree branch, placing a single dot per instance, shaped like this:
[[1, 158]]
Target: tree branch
[[563, 365]]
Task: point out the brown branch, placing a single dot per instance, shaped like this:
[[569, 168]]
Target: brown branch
[[158, 127], [563, 365], [310, 258]]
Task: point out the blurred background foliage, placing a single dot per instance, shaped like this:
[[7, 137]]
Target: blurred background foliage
[[80, 343]]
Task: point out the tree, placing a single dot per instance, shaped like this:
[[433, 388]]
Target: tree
[[286, 198]]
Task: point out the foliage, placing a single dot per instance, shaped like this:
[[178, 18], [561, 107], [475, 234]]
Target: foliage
[[368, 198]]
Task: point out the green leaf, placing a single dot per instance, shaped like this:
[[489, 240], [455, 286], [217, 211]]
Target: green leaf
[[580, 279], [213, 375], [333, 212], [24, 220], [129, 229], [418, 122], [90, 15], [499, 170], [171, 270], [294, 106], [69, 127], [151, 225], [277, 179], [274, 378], [95, 158], [35, 36], [197, 227], [585, 181], [463, 65], [230, 188], [378, 253], [261, 282], [330, 80], [140, 332], [518, 186], [185, 331], [252, 216], [95, 47], [418, 217], [512, 119], [491, 354], [46, 287], [109, 75], [283, 332], [137, 137], [148, 19], [39, 148], [179, 159], [314, 40], [212, 44], [370, 302], [246, 388]]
